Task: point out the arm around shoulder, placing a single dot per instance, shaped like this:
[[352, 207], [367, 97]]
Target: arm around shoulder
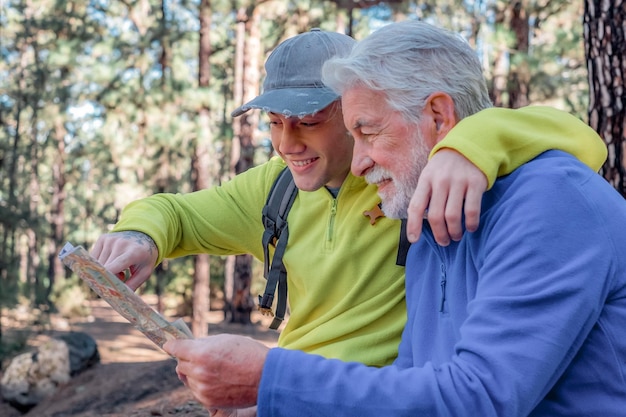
[[499, 140]]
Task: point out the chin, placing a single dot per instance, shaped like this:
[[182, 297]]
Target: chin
[[394, 209], [308, 185], [394, 214]]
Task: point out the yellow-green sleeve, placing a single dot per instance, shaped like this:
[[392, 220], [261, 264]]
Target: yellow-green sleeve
[[221, 220], [499, 140]]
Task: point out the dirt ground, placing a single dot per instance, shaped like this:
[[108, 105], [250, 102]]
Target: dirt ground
[[134, 377]]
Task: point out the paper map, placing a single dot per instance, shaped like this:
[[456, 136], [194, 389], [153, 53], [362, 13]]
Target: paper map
[[123, 300]]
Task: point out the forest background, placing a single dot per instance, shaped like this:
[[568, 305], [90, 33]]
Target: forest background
[[106, 101]]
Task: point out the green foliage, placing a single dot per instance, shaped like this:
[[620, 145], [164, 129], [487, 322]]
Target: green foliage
[[560, 75], [69, 298], [11, 346], [9, 292], [99, 105]]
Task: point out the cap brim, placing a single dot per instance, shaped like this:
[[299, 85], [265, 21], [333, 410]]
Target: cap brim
[[290, 101]]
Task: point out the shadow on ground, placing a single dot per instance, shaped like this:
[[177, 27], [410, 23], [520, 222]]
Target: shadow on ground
[[135, 378]]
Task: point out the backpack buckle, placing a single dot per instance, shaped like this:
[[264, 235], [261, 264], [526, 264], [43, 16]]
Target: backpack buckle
[[265, 305], [266, 311]]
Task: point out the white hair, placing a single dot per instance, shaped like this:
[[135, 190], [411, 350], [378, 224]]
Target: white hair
[[408, 61]]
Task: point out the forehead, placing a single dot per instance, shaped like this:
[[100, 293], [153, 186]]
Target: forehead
[[363, 107]]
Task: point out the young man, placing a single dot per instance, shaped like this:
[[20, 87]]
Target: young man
[[523, 317]]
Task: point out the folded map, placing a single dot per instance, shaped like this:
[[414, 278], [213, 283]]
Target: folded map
[[123, 300]]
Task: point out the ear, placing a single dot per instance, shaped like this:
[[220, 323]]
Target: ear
[[439, 107]]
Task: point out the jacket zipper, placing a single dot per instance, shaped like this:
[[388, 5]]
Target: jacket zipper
[[331, 223], [442, 273], [443, 287]]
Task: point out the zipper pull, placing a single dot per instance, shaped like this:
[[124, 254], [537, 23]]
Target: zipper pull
[[443, 287]]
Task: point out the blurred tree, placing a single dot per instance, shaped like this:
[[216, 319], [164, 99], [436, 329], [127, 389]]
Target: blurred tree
[[203, 171], [519, 75], [530, 49], [516, 60], [605, 48], [238, 302], [351, 5], [37, 115]]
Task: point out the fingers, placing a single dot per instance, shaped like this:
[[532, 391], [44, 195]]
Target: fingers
[[452, 225], [237, 412], [222, 371], [137, 275], [418, 210], [130, 267], [472, 208], [182, 377], [445, 213], [450, 190], [130, 256], [182, 351], [96, 251], [436, 215], [102, 249]]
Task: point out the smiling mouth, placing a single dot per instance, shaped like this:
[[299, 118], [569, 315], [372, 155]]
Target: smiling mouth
[[383, 183], [304, 162]]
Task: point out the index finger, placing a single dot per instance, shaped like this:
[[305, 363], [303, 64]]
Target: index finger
[[97, 249], [418, 210]]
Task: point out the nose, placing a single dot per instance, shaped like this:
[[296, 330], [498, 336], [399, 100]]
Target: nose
[[361, 162], [289, 143]]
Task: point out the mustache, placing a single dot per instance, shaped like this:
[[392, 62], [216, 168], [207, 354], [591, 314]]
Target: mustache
[[376, 175]]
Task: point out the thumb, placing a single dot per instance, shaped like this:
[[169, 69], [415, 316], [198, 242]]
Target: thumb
[[181, 349], [138, 275], [172, 347]]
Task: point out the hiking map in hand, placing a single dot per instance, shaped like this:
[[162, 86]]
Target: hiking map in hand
[[123, 300]]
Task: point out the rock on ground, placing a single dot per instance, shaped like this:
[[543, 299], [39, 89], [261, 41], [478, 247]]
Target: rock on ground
[[145, 389]]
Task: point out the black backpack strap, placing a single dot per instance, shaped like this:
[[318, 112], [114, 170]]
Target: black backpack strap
[[403, 245], [275, 212]]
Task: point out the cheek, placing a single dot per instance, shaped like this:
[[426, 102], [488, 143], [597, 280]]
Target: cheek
[[346, 146], [391, 159], [275, 138]]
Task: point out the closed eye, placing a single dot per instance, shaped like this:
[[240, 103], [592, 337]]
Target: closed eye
[[370, 137]]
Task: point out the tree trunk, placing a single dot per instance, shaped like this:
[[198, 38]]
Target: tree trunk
[[511, 75], [56, 270], [500, 74], [238, 303], [162, 176], [161, 269], [501, 64], [32, 232], [519, 80], [202, 174], [604, 25]]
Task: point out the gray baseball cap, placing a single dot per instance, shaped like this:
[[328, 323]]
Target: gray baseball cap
[[293, 81]]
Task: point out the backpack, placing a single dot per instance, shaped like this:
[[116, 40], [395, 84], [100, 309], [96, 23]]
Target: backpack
[[275, 212]]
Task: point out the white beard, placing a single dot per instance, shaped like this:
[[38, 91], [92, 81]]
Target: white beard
[[397, 196]]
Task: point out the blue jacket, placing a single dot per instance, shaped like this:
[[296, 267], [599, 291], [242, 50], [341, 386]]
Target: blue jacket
[[525, 317]]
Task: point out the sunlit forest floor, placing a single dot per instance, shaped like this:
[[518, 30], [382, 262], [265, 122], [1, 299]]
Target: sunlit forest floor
[[134, 377]]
